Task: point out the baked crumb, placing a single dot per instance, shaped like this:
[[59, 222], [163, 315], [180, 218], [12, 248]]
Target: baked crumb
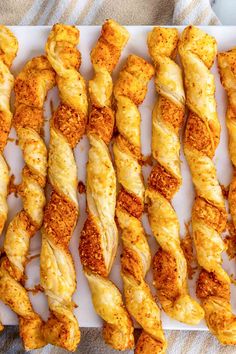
[[145, 209], [225, 191], [36, 289], [232, 279], [147, 160], [11, 140], [12, 187], [52, 109], [81, 187], [30, 258]]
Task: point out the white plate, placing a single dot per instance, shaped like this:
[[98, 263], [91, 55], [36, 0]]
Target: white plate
[[31, 43]]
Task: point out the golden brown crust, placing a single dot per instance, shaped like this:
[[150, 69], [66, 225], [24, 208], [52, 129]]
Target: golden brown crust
[[187, 247], [56, 225], [230, 240], [91, 253], [133, 78], [131, 264], [165, 272], [69, 122], [66, 50], [108, 48], [200, 44], [28, 85], [171, 113], [8, 47], [131, 149], [209, 216], [130, 203], [146, 345], [232, 198], [162, 181], [107, 54], [198, 135], [5, 125], [214, 217], [30, 331], [209, 285], [27, 223], [60, 335], [101, 123], [13, 272], [113, 337], [28, 174], [27, 116]]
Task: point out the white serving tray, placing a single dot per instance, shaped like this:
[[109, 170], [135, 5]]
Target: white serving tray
[[31, 43]]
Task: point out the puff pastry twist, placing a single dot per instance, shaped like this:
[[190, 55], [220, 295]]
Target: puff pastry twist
[[197, 50], [99, 238], [58, 276], [227, 69], [31, 87], [8, 51], [130, 91], [169, 264]]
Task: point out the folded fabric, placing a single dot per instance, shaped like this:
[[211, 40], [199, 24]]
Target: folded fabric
[[198, 12], [86, 12]]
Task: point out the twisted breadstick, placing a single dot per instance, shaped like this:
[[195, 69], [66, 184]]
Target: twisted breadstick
[[197, 51], [31, 87], [227, 68], [130, 91], [169, 264], [99, 238], [8, 51], [57, 269]]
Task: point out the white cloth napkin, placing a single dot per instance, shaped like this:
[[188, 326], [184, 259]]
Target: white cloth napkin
[[197, 12], [87, 12]]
